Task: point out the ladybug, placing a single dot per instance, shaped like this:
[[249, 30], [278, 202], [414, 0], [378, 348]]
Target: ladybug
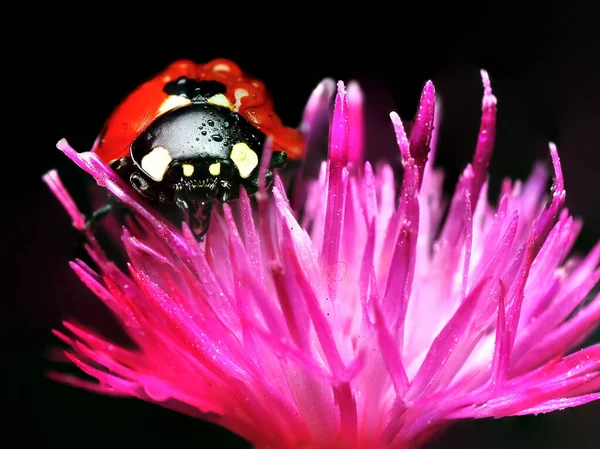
[[193, 135]]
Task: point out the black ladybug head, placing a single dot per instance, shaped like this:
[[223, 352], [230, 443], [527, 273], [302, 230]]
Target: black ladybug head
[[202, 150]]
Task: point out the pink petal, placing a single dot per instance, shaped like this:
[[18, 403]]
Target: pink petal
[[485, 141], [422, 130], [356, 137]]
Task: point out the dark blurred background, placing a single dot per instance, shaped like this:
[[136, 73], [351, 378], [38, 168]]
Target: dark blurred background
[[68, 68]]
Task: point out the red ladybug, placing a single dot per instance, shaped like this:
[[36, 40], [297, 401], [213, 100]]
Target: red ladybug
[[194, 134]]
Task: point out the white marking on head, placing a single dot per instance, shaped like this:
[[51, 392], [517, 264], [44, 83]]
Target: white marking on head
[[244, 158], [156, 162], [220, 100], [188, 170], [239, 94], [172, 102], [215, 169]]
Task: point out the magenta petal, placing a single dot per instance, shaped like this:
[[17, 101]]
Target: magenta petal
[[487, 133], [317, 107], [444, 345], [369, 194], [53, 181], [391, 355], [546, 220], [356, 137], [501, 348], [337, 186], [338, 146], [401, 138], [322, 329], [251, 237], [560, 404], [514, 310], [314, 126], [127, 390], [400, 276], [468, 230], [563, 338], [420, 136]]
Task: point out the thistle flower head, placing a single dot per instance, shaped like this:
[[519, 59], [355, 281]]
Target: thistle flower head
[[367, 315]]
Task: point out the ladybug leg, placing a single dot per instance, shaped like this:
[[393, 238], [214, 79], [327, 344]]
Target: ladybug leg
[[123, 167], [112, 206], [98, 215], [279, 159], [224, 195]]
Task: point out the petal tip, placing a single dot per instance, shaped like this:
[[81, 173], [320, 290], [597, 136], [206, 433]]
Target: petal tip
[[485, 79], [429, 88], [355, 92], [489, 99], [49, 176], [326, 87], [62, 144]]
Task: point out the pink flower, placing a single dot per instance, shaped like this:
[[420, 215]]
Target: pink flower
[[368, 318]]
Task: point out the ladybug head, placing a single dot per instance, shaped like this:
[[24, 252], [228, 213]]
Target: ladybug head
[[199, 150]]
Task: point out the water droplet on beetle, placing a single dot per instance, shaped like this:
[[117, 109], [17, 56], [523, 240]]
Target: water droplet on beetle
[[217, 137]]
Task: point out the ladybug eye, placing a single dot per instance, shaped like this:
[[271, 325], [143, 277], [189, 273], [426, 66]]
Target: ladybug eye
[[222, 169], [175, 172], [227, 170]]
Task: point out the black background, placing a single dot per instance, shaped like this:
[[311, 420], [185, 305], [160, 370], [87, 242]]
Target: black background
[[67, 68]]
